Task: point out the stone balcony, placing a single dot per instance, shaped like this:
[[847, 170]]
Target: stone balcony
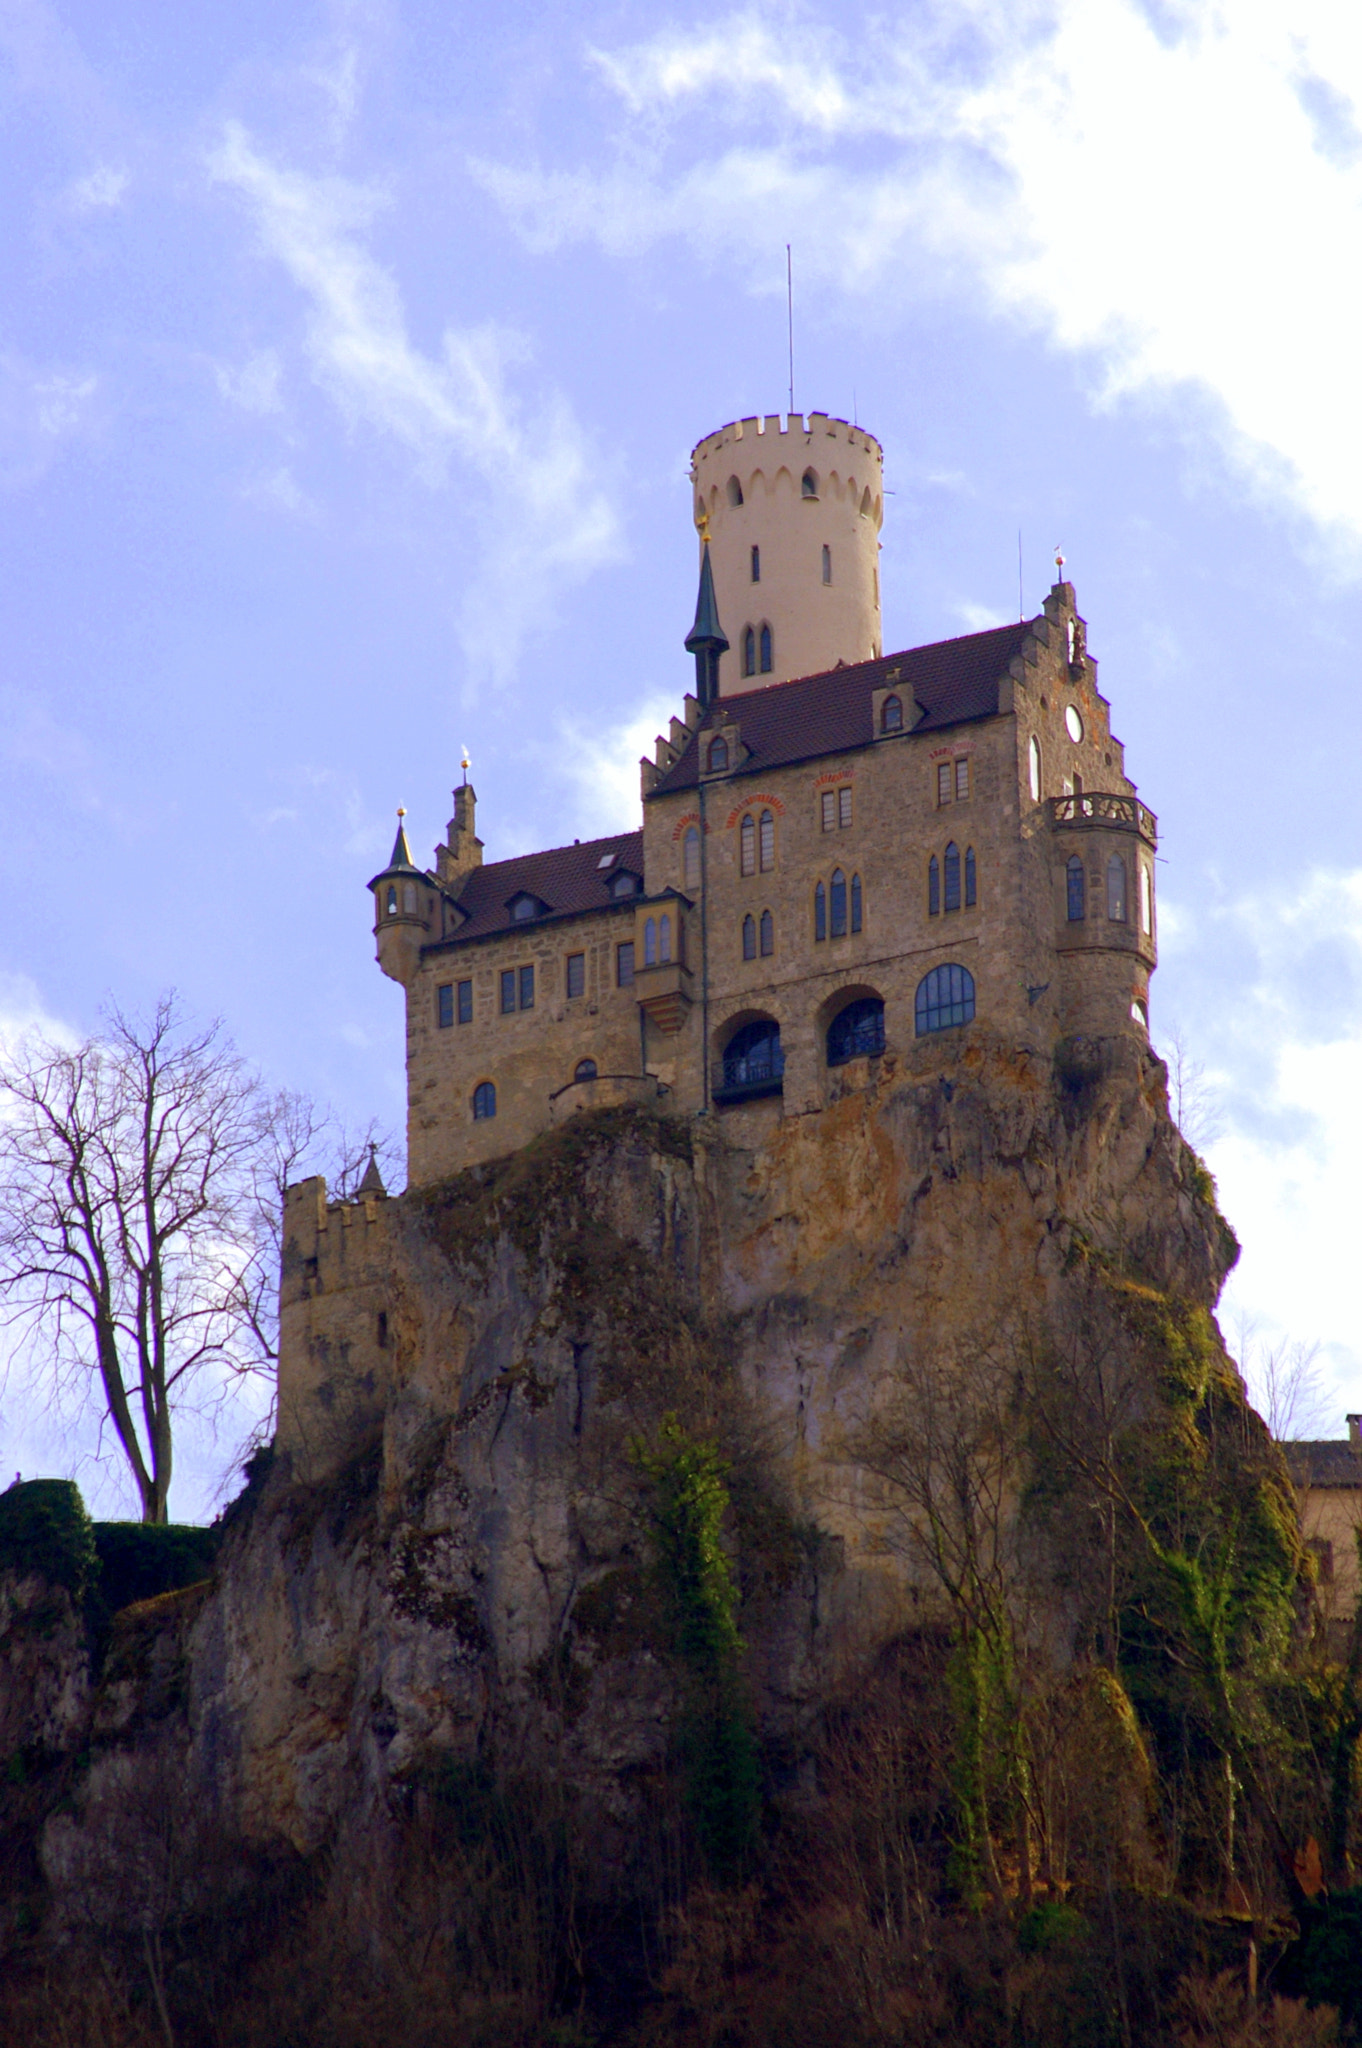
[[663, 994], [1107, 810]]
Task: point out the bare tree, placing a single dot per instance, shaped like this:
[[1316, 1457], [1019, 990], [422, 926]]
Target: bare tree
[[1285, 1382], [1191, 1095], [140, 1177]]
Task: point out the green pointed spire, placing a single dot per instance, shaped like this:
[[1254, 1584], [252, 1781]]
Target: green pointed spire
[[705, 639], [401, 851]]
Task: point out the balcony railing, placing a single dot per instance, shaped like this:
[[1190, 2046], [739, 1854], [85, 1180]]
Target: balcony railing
[[1107, 809], [751, 1074]]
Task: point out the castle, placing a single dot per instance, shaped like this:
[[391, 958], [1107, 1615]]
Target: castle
[[841, 850]]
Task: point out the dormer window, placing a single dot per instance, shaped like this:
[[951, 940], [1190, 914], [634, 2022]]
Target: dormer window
[[624, 884], [718, 755], [524, 907], [891, 717]]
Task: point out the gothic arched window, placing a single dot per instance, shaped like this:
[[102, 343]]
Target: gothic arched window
[[1075, 889], [664, 938], [891, 715], [1116, 889], [749, 652], [944, 997], [766, 650], [749, 937], [1146, 900], [392, 902], [753, 1058], [1033, 764], [808, 484], [838, 894], [650, 943], [855, 903], [820, 912], [768, 935], [856, 1031], [933, 886], [734, 491], [768, 842], [747, 836], [484, 1101], [718, 755], [971, 879], [690, 858], [952, 866], [585, 1070]]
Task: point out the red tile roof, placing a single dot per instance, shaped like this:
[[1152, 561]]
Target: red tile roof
[[955, 680], [566, 879]]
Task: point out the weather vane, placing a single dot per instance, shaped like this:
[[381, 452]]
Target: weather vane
[[466, 764], [1059, 563]]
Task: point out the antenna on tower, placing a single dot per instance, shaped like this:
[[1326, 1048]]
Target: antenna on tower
[[1021, 595], [789, 310]]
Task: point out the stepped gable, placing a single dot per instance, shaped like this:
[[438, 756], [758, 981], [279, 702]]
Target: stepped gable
[[567, 880], [954, 680]]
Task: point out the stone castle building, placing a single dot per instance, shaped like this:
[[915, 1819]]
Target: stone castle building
[[841, 851]]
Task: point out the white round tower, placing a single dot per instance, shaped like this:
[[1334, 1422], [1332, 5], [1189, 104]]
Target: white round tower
[[794, 515]]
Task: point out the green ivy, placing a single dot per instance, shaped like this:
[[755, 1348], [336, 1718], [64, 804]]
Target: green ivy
[[44, 1530]]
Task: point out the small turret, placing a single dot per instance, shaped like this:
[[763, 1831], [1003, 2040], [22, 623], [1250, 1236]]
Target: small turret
[[462, 851], [705, 639], [404, 904]]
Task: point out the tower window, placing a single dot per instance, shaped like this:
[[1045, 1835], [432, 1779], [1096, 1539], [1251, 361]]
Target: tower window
[[1146, 900], [944, 997], [768, 935], [576, 974], [747, 838], [484, 1101], [943, 782], [718, 756], [855, 903], [829, 809], [952, 866], [767, 837], [392, 902], [820, 912], [971, 879], [766, 650], [891, 715], [734, 491], [508, 991], [838, 894], [526, 988], [585, 1070], [808, 485], [624, 964], [933, 886], [749, 937], [690, 858], [1116, 889], [749, 649], [664, 938], [465, 1002], [962, 779], [444, 1006], [756, 565], [1075, 889], [844, 805], [1033, 764], [650, 943], [827, 563]]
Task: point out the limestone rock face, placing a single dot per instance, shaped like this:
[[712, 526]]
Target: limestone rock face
[[459, 1566]]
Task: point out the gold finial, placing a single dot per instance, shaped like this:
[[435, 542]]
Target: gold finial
[[702, 527], [401, 810], [465, 763], [1059, 563]]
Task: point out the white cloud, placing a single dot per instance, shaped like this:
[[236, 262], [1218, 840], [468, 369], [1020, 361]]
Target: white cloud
[[601, 768], [1176, 194], [40, 411], [545, 520], [100, 192], [278, 490], [255, 385]]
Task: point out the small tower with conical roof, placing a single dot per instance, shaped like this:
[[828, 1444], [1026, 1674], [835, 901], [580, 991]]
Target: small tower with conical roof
[[705, 639], [404, 910]]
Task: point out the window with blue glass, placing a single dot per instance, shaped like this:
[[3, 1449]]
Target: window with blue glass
[[749, 938], [952, 867], [855, 903], [838, 900], [749, 651], [933, 887], [768, 935], [484, 1101], [753, 1061], [766, 650], [1075, 889], [857, 1031], [971, 879], [820, 912], [945, 997], [444, 1005]]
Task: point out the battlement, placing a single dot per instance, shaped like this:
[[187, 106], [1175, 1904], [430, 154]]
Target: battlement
[[784, 426], [334, 1335]]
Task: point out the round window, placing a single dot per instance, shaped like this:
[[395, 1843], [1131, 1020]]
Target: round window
[[1073, 722]]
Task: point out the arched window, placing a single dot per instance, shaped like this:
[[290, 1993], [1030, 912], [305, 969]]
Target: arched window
[[867, 504], [664, 938], [1146, 900], [944, 997], [1116, 889], [718, 755], [855, 903], [933, 886], [768, 935], [952, 866], [749, 937], [768, 842], [585, 1070], [766, 650], [1075, 889], [1139, 1011], [827, 563], [484, 1101], [808, 485], [820, 912], [1033, 760], [690, 858], [749, 652], [971, 879], [650, 943], [856, 1031], [756, 565], [838, 894], [734, 491], [747, 842], [753, 1060], [891, 715], [392, 901]]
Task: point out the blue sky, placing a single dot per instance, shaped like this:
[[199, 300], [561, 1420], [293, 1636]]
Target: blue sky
[[350, 357]]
